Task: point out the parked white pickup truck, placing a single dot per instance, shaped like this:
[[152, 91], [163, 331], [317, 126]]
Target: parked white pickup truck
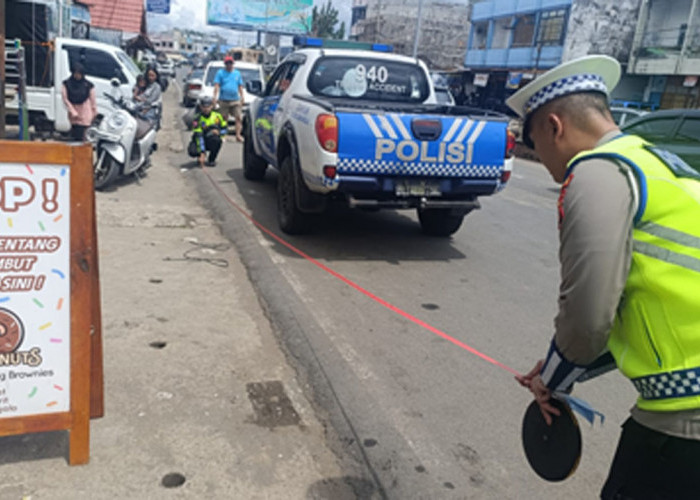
[[102, 63], [365, 127]]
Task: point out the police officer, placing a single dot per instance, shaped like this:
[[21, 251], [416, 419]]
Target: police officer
[[629, 228], [207, 130]]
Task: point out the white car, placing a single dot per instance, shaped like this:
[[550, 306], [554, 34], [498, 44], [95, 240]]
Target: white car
[[624, 115], [166, 68], [443, 96], [193, 87], [249, 71]]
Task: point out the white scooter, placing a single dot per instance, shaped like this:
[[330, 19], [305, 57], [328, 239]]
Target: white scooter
[[122, 142]]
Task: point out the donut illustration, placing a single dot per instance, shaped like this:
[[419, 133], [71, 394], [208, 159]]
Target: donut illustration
[[11, 331]]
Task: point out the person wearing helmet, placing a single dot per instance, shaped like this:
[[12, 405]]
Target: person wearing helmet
[[207, 130]]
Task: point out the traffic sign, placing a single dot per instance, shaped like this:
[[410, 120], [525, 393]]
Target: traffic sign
[[158, 6]]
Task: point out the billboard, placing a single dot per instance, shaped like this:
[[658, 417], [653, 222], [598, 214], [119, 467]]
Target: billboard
[[279, 16]]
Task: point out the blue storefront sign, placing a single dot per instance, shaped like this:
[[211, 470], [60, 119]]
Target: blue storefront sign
[[158, 6]]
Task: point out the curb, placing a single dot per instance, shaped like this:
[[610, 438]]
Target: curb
[[290, 320]]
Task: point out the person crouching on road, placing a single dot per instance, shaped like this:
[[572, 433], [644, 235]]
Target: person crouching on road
[[80, 100], [207, 130]]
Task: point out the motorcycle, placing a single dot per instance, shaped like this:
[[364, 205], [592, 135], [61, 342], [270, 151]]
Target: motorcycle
[[122, 142]]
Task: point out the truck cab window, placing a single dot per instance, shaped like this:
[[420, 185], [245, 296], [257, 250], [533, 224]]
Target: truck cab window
[[98, 64], [278, 82]]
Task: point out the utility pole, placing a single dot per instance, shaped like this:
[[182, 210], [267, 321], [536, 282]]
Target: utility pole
[[416, 37], [2, 69]]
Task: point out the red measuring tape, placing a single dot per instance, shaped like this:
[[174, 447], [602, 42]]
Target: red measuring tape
[[357, 287]]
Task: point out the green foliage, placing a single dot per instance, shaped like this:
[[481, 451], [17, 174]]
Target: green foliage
[[324, 20]]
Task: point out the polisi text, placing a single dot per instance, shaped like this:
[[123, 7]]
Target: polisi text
[[407, 150]]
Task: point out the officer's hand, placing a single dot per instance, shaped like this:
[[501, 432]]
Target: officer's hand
[[542, 396], [534, 382], [526, 380], [215, 131]]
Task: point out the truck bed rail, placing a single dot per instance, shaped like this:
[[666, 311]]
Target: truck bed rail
[[342, 104]]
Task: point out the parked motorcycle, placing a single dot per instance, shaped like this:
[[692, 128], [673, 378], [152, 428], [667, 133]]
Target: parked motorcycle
[[122, 142]]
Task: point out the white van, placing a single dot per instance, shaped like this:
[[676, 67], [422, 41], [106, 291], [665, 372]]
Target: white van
[[102, 63], [249, 72]]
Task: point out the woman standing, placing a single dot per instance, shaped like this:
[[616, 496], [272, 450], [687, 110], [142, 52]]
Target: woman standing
[[79, 97]]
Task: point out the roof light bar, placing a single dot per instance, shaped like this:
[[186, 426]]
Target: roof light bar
[[308, 41]]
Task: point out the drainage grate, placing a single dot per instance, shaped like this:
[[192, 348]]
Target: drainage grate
[[271, 405]]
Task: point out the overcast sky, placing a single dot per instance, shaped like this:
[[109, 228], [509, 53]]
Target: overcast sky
[[191, 14]]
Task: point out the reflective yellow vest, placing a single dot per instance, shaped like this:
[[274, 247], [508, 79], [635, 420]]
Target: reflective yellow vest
[[203, 124], [655, 337]]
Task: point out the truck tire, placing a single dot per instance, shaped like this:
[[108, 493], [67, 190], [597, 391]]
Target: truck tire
[[253, 165], [439, 221], [107, 174], [291, 219]]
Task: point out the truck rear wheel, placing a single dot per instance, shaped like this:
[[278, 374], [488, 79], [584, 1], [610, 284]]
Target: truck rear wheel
[[253, 165], [439, 221], [290, 218]]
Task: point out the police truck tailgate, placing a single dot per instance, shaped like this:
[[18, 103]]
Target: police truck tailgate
[[467, 148]]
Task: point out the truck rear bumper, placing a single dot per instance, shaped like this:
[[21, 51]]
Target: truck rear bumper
[[387, 189], [415, 202]]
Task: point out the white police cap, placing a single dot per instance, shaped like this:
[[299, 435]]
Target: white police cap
[[586, 74]]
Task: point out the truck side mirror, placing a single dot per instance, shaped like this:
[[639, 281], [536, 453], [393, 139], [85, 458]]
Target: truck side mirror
[[254, 87], [114, 82]]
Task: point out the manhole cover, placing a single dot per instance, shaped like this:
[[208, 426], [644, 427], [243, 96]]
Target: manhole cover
[[173, 480], [271, 404]]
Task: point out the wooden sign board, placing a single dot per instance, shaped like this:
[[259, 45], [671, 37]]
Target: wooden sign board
[[50, 343]]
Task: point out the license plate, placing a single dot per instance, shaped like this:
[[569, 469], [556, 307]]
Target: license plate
[[417, 187]]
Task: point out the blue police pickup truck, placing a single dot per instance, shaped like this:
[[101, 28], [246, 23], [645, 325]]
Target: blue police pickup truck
[[364, 127]]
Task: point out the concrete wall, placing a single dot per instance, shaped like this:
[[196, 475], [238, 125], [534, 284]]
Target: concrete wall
[[444, 29], [601, 27], [665, 20], [631, 88]]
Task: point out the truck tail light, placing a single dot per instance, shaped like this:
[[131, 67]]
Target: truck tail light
[[510, 143], [505, 176], [327, 132]]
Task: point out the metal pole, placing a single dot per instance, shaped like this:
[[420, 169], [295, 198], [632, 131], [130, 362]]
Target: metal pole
[[416, 38], [2, 69], [689, 34], [60, 17]]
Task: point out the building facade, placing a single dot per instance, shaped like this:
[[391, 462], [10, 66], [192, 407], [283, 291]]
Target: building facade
[[656, 41], [444, 26], [665, 52]]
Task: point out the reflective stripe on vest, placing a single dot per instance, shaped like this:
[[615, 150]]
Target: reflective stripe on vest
[[655, 338]]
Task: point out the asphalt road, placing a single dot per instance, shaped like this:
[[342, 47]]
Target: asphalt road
[[428, 418]]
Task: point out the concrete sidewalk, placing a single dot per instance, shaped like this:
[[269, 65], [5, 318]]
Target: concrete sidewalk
[[196, 386]]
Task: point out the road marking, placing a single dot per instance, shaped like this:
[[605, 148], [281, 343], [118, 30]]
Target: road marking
[[357, 287]]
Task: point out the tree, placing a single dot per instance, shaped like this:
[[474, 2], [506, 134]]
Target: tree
[[323, 22]]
